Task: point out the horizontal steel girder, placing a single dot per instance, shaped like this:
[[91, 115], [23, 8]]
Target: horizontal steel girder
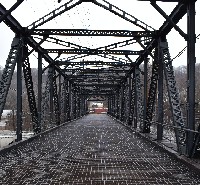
[[84, 32], [97, 80], [98, 85], [82, 63], [96, 94], [94, 71], [93, 76], [93, 51]]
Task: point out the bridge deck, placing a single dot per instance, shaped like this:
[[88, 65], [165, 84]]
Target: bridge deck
[[93, 150]]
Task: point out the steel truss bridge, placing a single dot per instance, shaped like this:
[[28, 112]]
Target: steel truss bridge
[[134, 89]]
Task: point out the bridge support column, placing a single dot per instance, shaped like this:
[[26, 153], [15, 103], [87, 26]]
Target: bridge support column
[[114, 105], [19, 94], [64, 98], [134, 99], [39, 88], [160, 93], [151, 97], [190, 76], [70, 102], [122, 102], [139, 108], [129, 117], [51, 96], [59, 94], [145, 88], [117, 108], [78, 104], [109, 107]]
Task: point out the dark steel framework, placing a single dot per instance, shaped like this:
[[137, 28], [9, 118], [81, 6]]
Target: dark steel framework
[[132, 98]]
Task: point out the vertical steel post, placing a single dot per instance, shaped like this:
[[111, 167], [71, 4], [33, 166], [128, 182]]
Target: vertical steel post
[[39, 89], [190, 75], [112, 107], [109, 105], [117, 105], [67, 103], [19, 95], [59, 92], [160, 93], [74, 102], [83, 105], [145, 88], [121, 103], [51, 97], [70, 101], [135, 104], [130, 117], [64, 97]]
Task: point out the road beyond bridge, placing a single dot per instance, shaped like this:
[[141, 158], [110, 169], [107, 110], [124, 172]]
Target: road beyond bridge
[[94, 150]]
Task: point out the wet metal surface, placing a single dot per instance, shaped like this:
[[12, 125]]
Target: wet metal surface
[[95, 150]]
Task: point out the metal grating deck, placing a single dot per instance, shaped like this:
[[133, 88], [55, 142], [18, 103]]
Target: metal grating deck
[[94, 150]]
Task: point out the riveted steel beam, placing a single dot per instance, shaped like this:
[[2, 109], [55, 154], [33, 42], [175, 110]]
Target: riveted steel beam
[[85, 71], [97, 85], [121, 13], [58, 11], [93, 51], [85, 63], [85, 32], [8, 12]]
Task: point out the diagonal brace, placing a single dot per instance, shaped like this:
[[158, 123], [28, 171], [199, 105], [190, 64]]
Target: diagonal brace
[[8, 12], [184, 35]]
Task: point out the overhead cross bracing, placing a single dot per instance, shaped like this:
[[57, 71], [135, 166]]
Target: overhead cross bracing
[[126, 66]]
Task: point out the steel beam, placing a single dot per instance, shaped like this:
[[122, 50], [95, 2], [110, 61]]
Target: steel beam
[[10, 21], [191, 60], [58, 11], [8, 71], [97, 94], [134, 99], [8, 12], [97, 85], [39, 88], [86, 63], [153, 3], [30, 92], [151, 97], [121, 13], [160, 93], [145, 88], [94, 76], [92, 51], [94, 71], [176, 15], [15, 26], [51, 93], [19, 95], [85, 32]]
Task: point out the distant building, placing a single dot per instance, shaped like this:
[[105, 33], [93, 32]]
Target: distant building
[[97, 108]]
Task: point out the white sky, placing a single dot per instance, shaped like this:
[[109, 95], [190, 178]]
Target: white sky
[[89, 16]]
